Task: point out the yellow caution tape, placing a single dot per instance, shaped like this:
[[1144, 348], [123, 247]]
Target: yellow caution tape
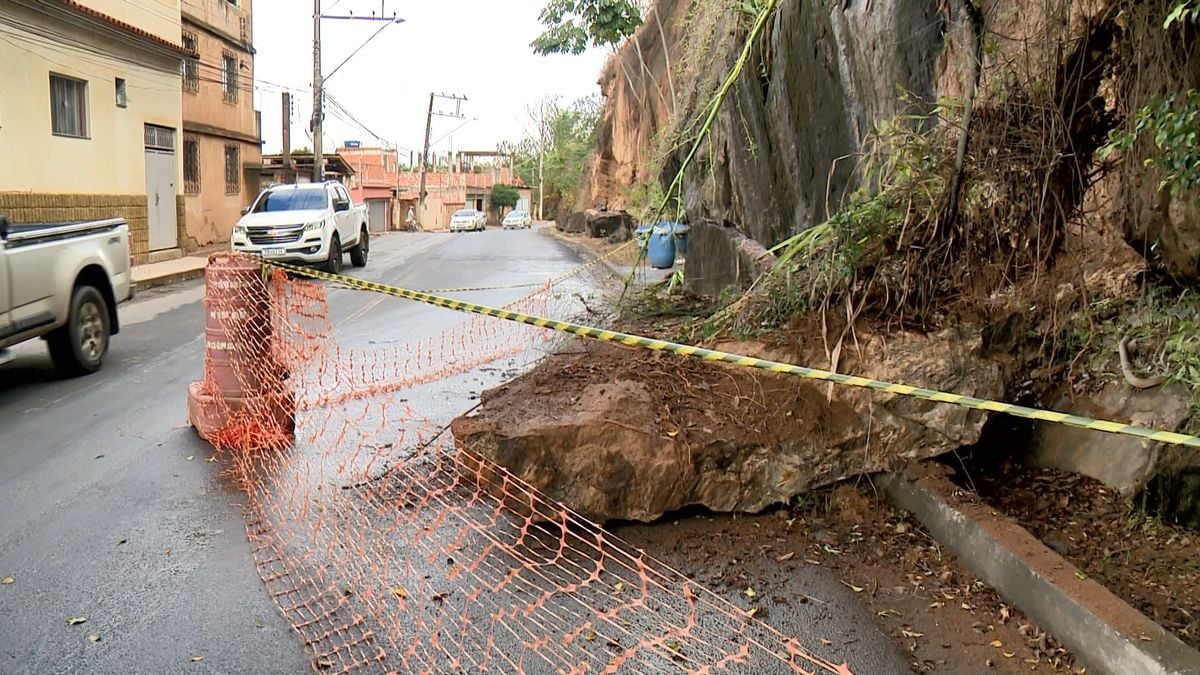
[[483, 288], [972, 402], [582, 268]]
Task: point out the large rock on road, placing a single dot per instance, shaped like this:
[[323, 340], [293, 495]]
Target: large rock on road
[[618, 434]]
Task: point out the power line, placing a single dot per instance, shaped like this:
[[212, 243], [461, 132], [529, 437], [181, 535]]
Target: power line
[[355, 121], [89, 57]]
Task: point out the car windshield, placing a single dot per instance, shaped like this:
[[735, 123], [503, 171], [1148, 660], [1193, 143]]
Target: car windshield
[[291, 200], [516, 214], [464, 214]]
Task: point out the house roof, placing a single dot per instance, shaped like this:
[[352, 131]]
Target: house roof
[[370, 170], [126, 27]]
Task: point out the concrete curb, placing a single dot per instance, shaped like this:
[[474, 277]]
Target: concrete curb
[[1105, 633], [167, 279]]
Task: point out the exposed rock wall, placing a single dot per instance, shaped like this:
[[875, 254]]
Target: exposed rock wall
[[637, 90], [785, 146], [783, 149]]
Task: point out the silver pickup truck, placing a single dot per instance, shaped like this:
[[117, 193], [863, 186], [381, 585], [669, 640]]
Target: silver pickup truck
[[62, 282]]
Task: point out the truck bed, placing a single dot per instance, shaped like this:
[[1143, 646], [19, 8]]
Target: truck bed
[[26, 234]]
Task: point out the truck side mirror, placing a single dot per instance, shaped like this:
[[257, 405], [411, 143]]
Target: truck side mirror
[[3, 226], [245, 210]]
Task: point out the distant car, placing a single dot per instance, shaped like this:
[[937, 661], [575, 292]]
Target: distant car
[[517, 220], [468, 220]]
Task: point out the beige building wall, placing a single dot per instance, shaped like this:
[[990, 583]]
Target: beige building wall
[[232, 19], [112, 160], [52, 178], [160, 18], [219, 28], [214, 210], [439, 208]]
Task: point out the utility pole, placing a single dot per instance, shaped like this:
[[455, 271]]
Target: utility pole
[[319, 81], [542, 165], [318, 112], [425, 160], [428, 133], [287, 131]]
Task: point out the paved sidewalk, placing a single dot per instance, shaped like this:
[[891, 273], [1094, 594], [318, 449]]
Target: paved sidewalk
[[169, 272]]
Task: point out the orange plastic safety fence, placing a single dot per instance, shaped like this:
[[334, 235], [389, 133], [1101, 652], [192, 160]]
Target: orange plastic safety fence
[[391, 550]]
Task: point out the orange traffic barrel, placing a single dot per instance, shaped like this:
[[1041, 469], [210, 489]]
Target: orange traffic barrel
[[237, 335]]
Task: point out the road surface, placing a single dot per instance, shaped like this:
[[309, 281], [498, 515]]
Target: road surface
[[112, 512]]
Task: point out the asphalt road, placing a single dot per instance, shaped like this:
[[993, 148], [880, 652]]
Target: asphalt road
[[112, 512]]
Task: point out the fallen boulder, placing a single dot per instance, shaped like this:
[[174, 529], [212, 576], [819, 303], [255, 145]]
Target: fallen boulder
[[609, 223], [618, 434], [1166, 476], [572, 223]]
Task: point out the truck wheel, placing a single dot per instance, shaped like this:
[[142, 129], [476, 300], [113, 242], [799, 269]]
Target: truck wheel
[[358, 254], [78, 348], [334, 264]]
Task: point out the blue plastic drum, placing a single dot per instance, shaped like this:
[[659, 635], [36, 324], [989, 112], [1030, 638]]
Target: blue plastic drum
[[642, 232], [681, 237], [662, 248]]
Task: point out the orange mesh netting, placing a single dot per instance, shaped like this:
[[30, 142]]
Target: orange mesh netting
[[388, 549]]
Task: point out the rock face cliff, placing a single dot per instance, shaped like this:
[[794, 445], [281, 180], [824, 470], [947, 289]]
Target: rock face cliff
[[785, 146]]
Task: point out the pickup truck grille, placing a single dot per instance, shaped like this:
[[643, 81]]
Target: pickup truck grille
[[274, 236]]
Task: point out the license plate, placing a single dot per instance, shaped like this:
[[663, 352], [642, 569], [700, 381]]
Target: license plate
[[273, 252]]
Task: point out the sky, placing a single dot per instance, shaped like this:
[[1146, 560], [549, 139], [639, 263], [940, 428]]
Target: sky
[[474, 48]]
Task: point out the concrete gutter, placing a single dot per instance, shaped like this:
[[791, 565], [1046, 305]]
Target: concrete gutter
[[1105, 633]]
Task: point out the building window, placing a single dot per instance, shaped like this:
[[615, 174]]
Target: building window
[[160, 138], [233, 169], [191, 62], [68, 106], [229, 76], [191, 165], [122, 94]]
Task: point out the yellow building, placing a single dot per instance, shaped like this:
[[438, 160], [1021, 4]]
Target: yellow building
[[90, 113], [222, 151]]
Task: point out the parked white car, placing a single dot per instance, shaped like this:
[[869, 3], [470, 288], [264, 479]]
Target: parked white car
[[62, 283], [305, 223], [468, 220], [517, 220]]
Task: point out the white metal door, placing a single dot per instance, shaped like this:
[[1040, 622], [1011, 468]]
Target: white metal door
[[377, 215], [160, 187]]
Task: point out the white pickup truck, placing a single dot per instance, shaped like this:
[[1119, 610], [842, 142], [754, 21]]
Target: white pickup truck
[[305, 223], [62, 282]]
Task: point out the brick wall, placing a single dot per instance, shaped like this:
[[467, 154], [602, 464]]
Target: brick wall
[[28, 207], [181, 223]]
